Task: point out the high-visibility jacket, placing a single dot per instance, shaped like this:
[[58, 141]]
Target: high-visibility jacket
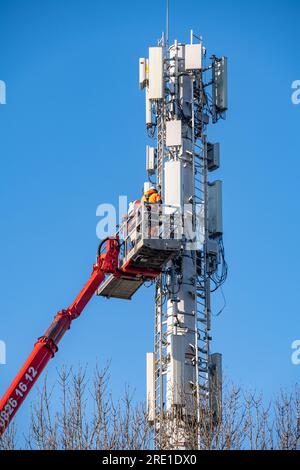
[[151, 196]]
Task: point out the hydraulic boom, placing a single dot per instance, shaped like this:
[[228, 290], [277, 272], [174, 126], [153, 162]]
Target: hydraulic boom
[[47, 345]]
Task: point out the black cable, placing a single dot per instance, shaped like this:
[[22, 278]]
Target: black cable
[[220, 278], [104, 241], [224, 305], [101, 245]]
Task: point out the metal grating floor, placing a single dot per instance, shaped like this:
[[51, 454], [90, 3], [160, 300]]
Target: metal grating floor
[[120, 288]]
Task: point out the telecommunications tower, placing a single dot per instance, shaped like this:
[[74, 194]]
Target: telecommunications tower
[[174, 241], [185, 92]]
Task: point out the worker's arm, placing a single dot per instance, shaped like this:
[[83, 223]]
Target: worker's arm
[[47, 345]]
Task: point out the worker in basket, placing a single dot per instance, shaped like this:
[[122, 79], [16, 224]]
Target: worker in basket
[[152, 201], [151, 196]]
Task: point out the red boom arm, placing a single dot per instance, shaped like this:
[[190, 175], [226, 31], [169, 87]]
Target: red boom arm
[[47, 345]]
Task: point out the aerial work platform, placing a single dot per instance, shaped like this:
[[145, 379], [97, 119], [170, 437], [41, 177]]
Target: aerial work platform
[[150, 237]]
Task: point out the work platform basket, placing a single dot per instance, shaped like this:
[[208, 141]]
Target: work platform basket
[[150, 236]]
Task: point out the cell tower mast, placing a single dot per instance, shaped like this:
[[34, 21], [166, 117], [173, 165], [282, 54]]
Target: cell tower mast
[[185, 92]]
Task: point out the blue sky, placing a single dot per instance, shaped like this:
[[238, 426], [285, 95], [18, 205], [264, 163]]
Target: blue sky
[[73, 136]]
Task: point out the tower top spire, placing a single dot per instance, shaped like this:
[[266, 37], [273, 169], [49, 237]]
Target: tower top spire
[[167, 22]]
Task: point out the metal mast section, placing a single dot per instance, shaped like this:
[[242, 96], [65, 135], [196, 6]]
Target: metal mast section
[[181, 371]]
